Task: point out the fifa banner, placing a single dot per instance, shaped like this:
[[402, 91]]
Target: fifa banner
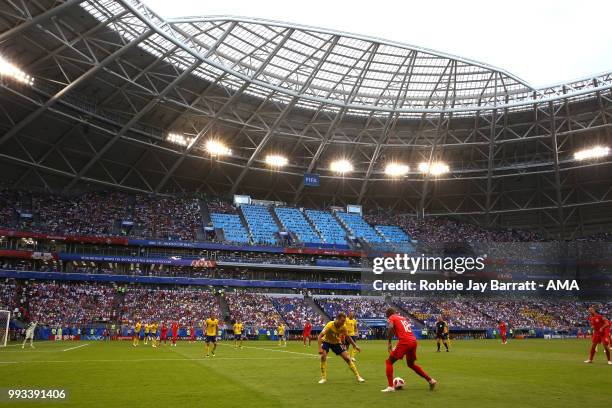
[[311, 180], [545, 270], [196, 263]]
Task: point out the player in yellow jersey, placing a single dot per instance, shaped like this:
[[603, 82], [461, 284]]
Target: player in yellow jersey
[[136, 337], [351, 331], [212, 327], [237, 334], [282, 339], [330, 339], [147, 329], [153, 333]]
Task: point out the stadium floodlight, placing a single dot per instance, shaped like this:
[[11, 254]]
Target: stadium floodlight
[[433, 169], [276, 160], [592, 153], [178, 139], [9, 70], [216, 148], [396, 169], [341, 166]]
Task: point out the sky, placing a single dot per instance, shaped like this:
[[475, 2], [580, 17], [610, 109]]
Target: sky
[[543, 42]]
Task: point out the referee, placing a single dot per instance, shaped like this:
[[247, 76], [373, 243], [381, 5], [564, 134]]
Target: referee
[[442, 333]]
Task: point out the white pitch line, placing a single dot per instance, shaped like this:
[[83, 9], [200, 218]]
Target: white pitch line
[[275, 350], [140, 360], [76, 347]]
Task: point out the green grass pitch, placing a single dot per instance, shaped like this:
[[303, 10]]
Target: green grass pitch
[[539, 373]]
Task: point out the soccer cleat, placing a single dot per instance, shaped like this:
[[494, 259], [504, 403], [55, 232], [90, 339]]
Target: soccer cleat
[[353, 359], [609, 362], [388, 389], [322, 380], [360, 379], [588, 361], [208, 355], [432, 384]]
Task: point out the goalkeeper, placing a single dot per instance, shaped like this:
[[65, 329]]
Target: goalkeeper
[[29, 334]]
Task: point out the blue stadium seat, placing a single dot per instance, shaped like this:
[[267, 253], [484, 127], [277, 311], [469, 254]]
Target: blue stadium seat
[[392, 233], [260, 222], [232, 227], [329, 228], [359, 227], [293, 220]]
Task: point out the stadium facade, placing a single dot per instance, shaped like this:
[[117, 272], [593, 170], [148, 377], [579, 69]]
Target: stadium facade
[[113, 81]]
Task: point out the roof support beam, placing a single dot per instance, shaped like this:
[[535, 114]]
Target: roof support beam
[[150, 105], [226, 105], [283, 114], [74, 84], [37, 19]]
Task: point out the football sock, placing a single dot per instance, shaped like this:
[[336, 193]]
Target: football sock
[[592, 353], [353, 368], [446, 345], [324, 369], [438, 346], [608, 354], [417, 369], [389, 371]]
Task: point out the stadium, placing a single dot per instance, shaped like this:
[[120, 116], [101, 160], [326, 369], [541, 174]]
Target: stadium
[[159, 174]]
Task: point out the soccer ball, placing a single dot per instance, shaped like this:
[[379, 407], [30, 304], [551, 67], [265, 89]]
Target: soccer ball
[[398, 383]]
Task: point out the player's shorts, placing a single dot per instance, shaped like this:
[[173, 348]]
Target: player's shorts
[[238, 336], [346, 342], [601, 338], [442, 336], [211, 339], [336, 348], [405, 349], [141, 336], [306, 334]]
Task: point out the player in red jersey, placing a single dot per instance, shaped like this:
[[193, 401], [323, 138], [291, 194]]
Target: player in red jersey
[[399, 327], [164, 333], [601, 334], [503, 330], [174, 333], [193, 336], [306, 333]]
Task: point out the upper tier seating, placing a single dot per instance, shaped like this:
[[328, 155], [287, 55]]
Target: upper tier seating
[[392, 233], [293, 220], [358, 227], [232, 227], [260, 222], [329, 228]]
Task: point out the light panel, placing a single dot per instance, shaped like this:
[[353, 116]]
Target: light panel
[[396, 169], [9, 70], [434, 169], [276, 160], [217, 148], [341, 166], [179, 139], [592, 153]]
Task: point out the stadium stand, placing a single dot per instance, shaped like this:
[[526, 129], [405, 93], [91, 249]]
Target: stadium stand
[[187, 306], [295, 311], [364, 308], [293, 220], [261, 224], [327, 226], [357, 226], [232, 227], [253, 309]]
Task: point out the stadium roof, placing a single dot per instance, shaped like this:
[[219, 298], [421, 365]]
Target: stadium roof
[[321, 66], [121, 97]]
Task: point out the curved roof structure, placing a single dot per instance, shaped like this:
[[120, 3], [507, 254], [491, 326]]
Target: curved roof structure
[[321, 66], [123, 98]]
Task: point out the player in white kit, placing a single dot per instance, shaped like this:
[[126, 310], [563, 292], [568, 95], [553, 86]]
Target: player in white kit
[[29, 334]]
